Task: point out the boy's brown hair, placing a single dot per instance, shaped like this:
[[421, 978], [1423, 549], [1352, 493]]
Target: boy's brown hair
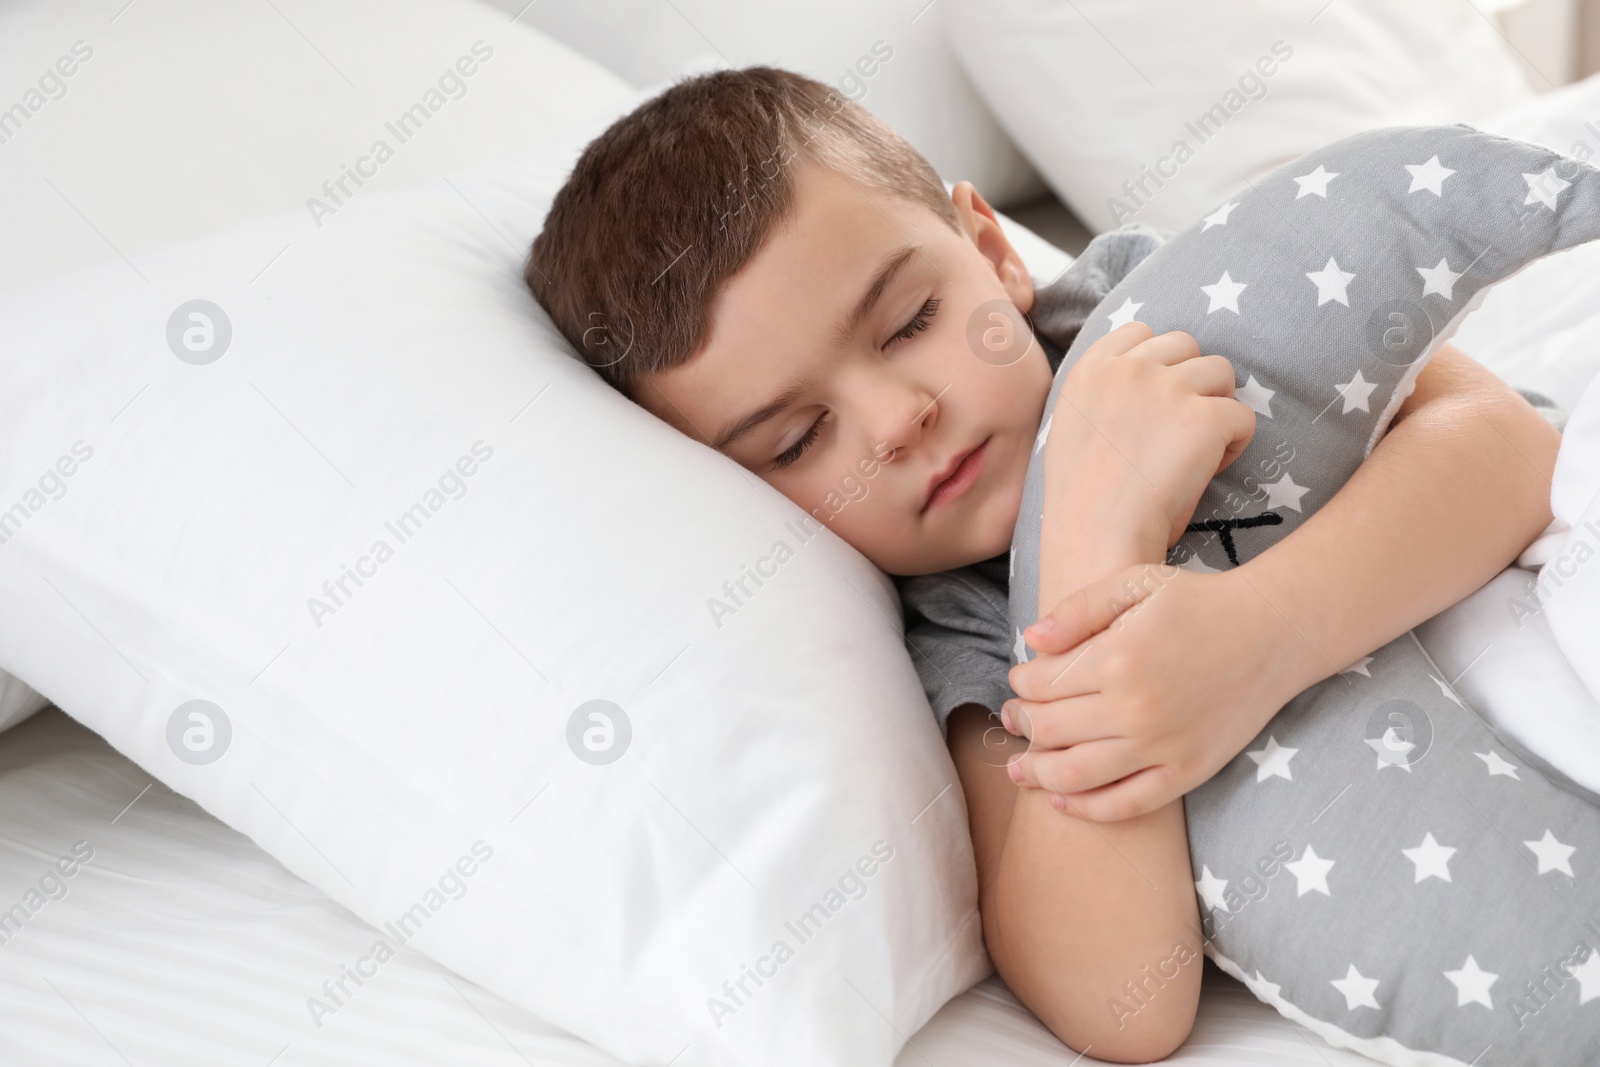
[[676, 196]]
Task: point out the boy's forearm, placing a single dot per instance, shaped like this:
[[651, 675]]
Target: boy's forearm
[[1080, 917], [1075, 909], [1449, 497]]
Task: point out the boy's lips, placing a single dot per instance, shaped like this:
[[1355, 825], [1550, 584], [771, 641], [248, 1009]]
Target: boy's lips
[[956, 477]]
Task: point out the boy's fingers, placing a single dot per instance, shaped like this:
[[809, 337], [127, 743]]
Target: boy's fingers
[[1208, 376], [1057, 676], [1081, 615], [1056, 724], [1073, 770], [1086, 612], [1241, 419], [1129, 335], [1170, 348], [1138, 794]]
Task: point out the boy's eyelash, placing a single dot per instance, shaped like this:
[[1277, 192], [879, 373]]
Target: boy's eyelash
[[796, 450], [919, 322]]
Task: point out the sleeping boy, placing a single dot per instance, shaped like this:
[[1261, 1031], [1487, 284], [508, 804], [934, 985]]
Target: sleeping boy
[[772, 271]]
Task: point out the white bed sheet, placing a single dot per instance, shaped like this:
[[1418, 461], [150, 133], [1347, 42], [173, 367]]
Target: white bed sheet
[[181, 943]]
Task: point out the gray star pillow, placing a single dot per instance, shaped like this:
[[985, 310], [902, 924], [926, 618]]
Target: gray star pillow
[[1377, 864]]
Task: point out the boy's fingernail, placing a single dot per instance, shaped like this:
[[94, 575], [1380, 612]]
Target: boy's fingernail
[[1014, 768], [1043, 628], [1058, 802], [1007, 716]]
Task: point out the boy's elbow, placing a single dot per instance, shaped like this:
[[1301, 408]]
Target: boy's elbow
[[1152, 1045], [1087, 1022], [1154, 1040]]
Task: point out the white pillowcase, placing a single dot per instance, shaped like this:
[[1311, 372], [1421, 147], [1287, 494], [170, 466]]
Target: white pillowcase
[[18, 701], [402, 539], [1099, 93], [188, 116], [128, 129]]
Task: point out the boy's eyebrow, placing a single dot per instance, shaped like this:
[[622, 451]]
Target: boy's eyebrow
[[847, 327], [740, 427]]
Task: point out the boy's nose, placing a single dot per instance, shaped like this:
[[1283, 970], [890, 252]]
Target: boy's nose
[[907, 421], [895, 403]]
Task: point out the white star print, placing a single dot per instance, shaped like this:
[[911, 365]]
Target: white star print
[[1356, 392], [1446, 690], [1497, 765], [1356, 989], [1472, 983], [1124, 314], [1440, 279], [1429, 176], [1044, 432], [1219, 217], [1011, 568], [1391, 750], [1273, 760], [1198, 565], [1359, 667], [1544, 188], [1588, 975], [1553, 855], [1224, 294], [1315, 183], [1284, 493], [1258, 396], [1020, 650], [1331, 283], [1211, 889], [1311, 872], [1432, 859]]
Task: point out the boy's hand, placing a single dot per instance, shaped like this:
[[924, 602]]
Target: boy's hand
[[1141, 426], [1147, 683]]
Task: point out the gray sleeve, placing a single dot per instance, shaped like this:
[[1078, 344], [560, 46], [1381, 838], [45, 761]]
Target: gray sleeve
[[1061, 308], [957, 626]]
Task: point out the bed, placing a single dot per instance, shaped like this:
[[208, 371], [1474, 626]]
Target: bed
[[178, 940], [182, 943]]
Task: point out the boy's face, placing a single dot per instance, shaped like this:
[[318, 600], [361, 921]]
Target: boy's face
[[901, 372]]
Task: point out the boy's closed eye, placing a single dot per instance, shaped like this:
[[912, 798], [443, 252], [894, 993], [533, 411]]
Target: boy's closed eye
[[918, 322]]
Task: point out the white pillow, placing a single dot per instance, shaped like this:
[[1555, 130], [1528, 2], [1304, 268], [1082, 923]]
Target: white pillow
[[17, 701], [180, 117], [132, 127], [1099, 93], [404, 541], [893, 59]]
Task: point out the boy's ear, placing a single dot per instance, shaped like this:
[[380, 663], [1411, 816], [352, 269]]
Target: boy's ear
[[978, 221]]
